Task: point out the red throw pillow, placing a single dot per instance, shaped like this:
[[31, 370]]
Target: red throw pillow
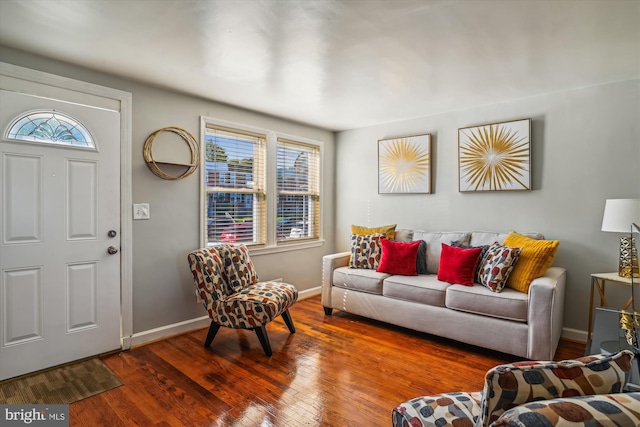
[[457, 265], [398, 257]]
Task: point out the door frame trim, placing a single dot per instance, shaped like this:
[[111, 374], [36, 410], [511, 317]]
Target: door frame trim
[[124, 101]]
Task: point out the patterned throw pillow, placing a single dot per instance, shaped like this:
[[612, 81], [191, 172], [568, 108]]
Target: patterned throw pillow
[[365, 251], [507, 386], [497, 265], [388, 230]]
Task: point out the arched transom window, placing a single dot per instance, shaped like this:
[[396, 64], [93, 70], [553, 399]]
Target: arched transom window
[[50, 127]]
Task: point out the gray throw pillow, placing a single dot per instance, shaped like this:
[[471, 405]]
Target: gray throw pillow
[[421, 260]]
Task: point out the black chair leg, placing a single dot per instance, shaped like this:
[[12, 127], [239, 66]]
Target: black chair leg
[[287, 320], [261, 331], [213, 330], [328, 311]]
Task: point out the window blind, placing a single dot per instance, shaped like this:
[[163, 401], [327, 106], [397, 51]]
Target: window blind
[[235, 186], [298, 188]]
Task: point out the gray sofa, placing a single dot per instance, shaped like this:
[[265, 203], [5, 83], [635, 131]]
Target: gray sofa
[[528, 325]]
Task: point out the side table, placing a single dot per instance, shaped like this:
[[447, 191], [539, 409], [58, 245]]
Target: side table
[[598, 281]]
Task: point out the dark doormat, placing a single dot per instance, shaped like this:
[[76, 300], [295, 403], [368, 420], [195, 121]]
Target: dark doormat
[[66, 384]]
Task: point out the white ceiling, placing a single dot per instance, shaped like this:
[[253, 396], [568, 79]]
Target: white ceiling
[[339, 64]]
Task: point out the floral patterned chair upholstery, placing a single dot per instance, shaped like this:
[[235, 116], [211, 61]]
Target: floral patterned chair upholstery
[[232, 295], [583, 392]]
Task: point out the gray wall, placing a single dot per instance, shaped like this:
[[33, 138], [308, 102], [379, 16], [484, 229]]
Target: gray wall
[[585, 149], [163, 291]]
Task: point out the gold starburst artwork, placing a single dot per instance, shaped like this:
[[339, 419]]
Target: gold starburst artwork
[[495, 157], [404, 165]]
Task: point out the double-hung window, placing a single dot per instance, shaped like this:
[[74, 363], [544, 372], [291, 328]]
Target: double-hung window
[[261, 188], [234, 179], [298, 191]]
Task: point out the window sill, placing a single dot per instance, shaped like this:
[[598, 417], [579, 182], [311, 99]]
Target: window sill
[[264, 250]]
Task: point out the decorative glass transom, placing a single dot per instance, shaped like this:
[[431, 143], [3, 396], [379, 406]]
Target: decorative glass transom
[[50, 127]]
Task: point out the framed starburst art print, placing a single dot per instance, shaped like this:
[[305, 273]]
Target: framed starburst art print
[[404, 165], [495, 157]]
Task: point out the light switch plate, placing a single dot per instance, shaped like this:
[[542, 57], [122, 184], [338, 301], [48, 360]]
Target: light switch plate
[[141, 211]]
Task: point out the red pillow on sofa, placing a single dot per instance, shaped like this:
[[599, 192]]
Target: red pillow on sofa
[[458, 265], [398, 257]]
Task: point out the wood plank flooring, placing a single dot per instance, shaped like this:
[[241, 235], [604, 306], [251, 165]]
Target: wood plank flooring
[[339, 370]]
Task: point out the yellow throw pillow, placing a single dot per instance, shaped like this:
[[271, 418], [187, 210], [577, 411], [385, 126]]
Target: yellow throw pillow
[[535, 258], [389, 231]]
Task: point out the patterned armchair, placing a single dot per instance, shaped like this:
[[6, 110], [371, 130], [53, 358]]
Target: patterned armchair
[[584, 392], [228, 285]]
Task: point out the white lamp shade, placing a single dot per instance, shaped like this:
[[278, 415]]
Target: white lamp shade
[[619, 214]]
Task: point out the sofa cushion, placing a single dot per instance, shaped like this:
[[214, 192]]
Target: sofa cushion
[[479, 238], [403, 235], [508, 386], [619, 409], [424, 289], [387, 230], [535, 258], [477, 299], [398, 257], [458, 265], [359, 279], [365, 251], [497, 264], [434, 245]]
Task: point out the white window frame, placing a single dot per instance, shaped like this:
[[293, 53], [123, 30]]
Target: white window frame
[[311, 193], [272, 136]]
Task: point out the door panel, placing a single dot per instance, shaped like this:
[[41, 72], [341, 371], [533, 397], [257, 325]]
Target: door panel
[[82, 294], [60, 288], [82, 206], [22, 322], [22, 207]]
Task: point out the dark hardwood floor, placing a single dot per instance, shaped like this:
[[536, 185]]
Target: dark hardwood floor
[[339, 370]]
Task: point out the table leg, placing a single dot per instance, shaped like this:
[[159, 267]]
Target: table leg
[[590, 328]]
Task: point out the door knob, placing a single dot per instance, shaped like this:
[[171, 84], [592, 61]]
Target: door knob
[[112, 250]]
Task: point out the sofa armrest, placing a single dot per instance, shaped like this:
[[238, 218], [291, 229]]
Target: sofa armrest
[[458, 409], [546, 313], [600, 409], [330, 263]]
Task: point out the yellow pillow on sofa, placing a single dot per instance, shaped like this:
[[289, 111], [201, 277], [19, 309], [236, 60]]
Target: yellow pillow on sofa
[[388, 230], [535, 258]]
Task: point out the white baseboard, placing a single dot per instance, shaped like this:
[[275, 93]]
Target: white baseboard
[[167, 331], [144, 337], [204, 321], [574, 334], [309, 293]]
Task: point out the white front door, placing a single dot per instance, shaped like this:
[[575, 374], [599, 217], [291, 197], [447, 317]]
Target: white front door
[[60, 214]]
